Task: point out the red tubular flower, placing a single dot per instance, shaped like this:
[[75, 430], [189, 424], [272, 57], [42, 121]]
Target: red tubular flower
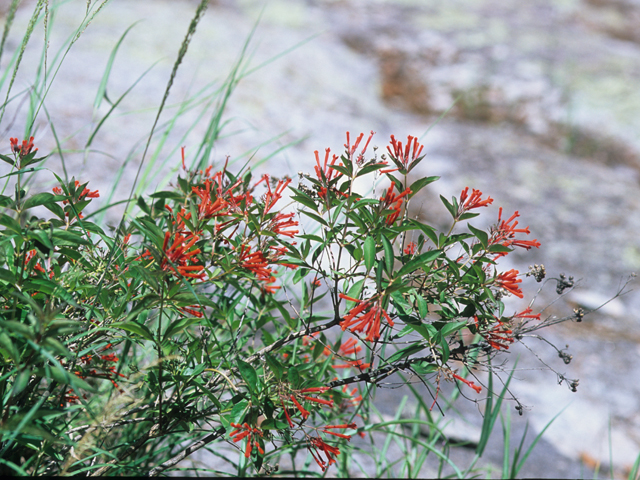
[[89, 193], [192, 312], [403, 158], [319, 400], [351, 149], [350, 347], [504, 234], [24, 149], [110, 357], [258, 264], [352, 402], [324, 172], [317, 445], [527, 314], [315, 390], [498, 337], [474, 201], [509, 281], [208, 209], [302, 410], [179, 254], [283, 221], [286, 414], [244, 431], [369, 321], [359, 364], [271, 197], [467, 382], [410, 249], [393, 202], [328, 429]]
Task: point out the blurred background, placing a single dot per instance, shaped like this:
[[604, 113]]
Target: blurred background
[[542, 102]]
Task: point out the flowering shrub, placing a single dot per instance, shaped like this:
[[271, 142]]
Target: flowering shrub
[[201, 319]]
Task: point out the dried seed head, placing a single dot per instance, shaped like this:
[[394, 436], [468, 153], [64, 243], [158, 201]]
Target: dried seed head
[[537, 271]]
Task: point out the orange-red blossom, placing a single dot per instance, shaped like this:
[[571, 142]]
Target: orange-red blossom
[[359, 319], [243, 431], [24, 149], [177, 255], [393, 202], [473, 201], [509, 281], [504, 234]]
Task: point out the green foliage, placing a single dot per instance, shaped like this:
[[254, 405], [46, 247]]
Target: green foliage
[[203, 316]]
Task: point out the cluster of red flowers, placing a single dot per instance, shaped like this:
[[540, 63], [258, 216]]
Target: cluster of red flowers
[[509, 281], [365, 316], [318, 446], [251, 434], [410, 249], [473, 201], [504, 234], [259, 265], [351, 149], [272, 196], [498, 336], [391, 201], [178, 254], [24, 149], [108, 372], [404, 156], [37, 267], [225, 203], [85, 193], [283, 221]]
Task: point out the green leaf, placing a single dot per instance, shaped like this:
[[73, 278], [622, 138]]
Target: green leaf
[[355, 290], [31, 159], [178, 326], [10, 223], [68, 238], [21, 381], [293, 376], [452, 327], [7, 159], [423, 307], [275, 366], [136, 328], [5, 201], [388, 254], [420, 184], [304, 199], [317, 218], [18, 328], [369, 252], [249, 375], [450, 207], [371, 168], [285, 314], [419, 262], [428, 230], [480, 235], [7, 345], [405, 352], [38, 199], [7, 276]]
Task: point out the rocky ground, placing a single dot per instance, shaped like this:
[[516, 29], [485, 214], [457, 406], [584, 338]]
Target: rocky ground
[[546, 121]]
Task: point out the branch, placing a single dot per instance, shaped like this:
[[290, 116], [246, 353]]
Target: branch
[[187, 451]]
